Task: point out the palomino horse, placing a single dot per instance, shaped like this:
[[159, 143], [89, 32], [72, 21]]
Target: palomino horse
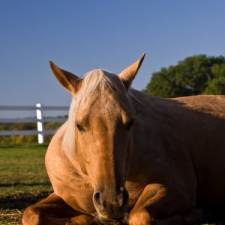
[[126, 157]]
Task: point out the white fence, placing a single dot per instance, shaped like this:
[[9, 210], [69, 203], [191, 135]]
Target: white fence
[[41, 132]]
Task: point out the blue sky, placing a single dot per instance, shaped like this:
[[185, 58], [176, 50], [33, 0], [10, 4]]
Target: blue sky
[[80, 35]]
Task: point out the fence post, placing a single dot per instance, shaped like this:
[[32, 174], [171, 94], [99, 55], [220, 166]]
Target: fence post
[[40, 130]]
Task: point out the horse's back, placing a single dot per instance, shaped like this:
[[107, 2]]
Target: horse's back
[[213, 105]]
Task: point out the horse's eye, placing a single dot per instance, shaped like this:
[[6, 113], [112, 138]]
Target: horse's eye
[[129, 124], [80, 127]]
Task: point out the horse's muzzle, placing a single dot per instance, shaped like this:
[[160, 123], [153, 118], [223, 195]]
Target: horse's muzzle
[[111, 208]]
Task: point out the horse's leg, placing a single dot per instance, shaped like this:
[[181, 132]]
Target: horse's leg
[[53, 210], [154, 201]]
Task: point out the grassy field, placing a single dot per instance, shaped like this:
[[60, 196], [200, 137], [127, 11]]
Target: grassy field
[[23, 180]]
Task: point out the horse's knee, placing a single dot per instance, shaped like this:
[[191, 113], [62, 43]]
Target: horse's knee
[[31, 216]]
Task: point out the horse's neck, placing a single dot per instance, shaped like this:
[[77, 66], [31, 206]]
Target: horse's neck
[[143, 103]]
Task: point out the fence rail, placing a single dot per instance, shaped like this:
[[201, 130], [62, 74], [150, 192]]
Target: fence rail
[[25, 132], [41, 132], [32, 120], [32, 108]]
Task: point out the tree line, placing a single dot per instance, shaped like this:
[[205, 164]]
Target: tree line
[[198, 74]]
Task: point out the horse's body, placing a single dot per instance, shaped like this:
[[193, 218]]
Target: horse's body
[[175, 165]]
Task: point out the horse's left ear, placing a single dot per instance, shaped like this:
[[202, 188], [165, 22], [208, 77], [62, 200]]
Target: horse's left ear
[[68, 80], [129, 73]]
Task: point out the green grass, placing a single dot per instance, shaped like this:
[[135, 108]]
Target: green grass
[[23, 180]]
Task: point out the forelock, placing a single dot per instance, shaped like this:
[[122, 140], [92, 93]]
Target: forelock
[[96, 82]]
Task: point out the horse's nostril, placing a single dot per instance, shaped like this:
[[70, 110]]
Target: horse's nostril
[[98, 199], [97, 196], [123, 198], [126, 197]]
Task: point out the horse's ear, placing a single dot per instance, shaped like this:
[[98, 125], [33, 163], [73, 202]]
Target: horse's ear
[[128, 74], [70, 81]]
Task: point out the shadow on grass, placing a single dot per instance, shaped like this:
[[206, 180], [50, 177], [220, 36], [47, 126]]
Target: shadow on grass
[[21, 201]]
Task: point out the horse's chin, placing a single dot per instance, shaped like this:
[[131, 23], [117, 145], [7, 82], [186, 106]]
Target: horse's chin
[[104, 219]]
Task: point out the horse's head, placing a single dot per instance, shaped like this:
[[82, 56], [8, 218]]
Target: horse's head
[[98, 133]]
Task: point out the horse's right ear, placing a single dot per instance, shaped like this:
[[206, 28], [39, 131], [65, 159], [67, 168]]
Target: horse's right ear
[[70, 81]]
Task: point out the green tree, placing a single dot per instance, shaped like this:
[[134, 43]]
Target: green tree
[[194, 75], [216, 86]]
